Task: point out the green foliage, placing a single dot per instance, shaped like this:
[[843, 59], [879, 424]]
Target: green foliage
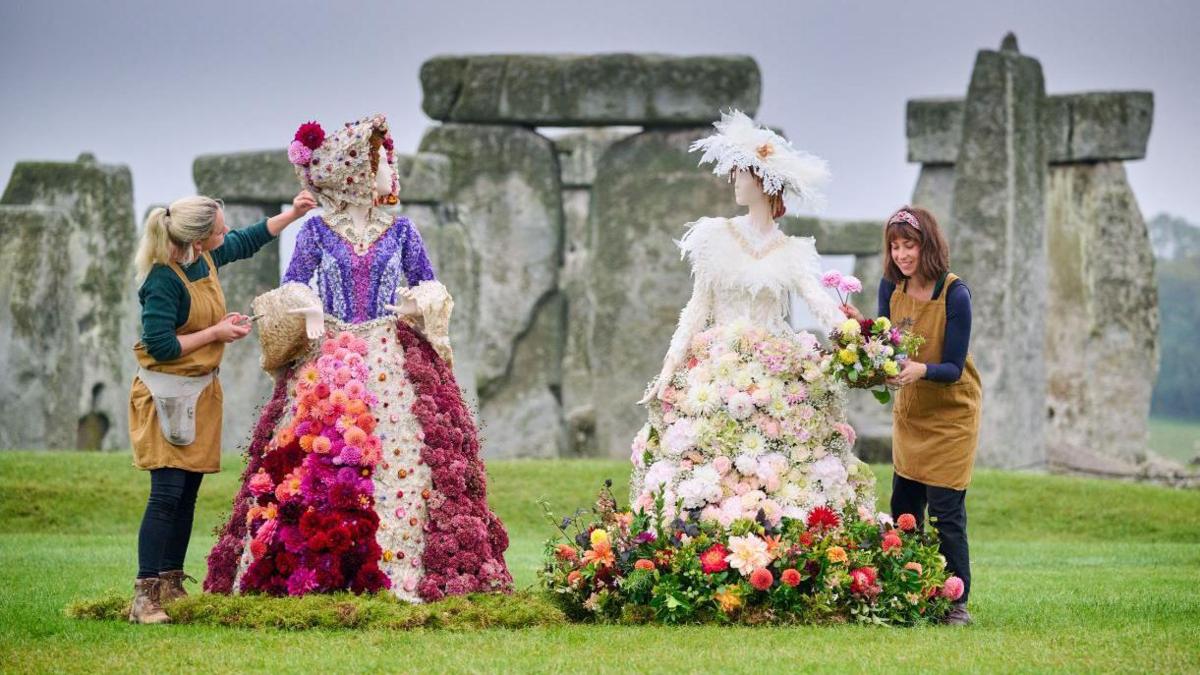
[[1177, 391]]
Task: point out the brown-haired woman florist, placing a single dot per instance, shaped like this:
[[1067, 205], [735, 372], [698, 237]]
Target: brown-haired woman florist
[[175, 400], [935, 421]]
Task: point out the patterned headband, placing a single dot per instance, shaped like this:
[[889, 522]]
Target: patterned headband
[[904, 216]]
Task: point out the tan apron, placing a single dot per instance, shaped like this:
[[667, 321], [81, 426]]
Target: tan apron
[[935, 425], [151, 450]]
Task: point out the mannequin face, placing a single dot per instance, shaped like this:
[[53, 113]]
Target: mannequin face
[[746, 191]]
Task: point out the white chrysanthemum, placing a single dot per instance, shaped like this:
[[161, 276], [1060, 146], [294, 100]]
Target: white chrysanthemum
[[789, 494], [777, 407], [830, 471], [740, 405], [747, 554], [703, 399], [703, 488], [742, 379], [726, 367], [753, 442]]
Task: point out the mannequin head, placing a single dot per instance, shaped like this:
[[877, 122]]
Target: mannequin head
[[387, 184], [748, 191]]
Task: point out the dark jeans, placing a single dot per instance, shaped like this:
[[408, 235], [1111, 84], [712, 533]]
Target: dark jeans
[[167, 524], [949, 508]]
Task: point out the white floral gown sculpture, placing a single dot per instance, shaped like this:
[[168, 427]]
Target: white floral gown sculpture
[[749, 426]]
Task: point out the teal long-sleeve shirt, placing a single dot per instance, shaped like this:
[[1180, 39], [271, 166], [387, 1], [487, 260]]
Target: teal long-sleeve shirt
[[165, 300]]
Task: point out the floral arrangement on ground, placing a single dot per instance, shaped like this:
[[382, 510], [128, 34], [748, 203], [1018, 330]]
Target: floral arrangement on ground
[[612, 565]]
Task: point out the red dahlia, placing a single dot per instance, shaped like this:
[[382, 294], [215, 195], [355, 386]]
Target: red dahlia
[[713, 559], [907, 522], [762, 578], [311, 135], [790, 576], [823, 517]]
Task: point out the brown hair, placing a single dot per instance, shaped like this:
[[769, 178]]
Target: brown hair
[[935, 253], [775, 200]]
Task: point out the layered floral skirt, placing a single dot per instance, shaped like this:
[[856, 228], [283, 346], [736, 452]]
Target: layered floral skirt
[[363, 474], [751, 427]]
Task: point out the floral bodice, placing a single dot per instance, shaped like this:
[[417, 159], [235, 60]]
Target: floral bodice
[[355, 286], [740, 275]]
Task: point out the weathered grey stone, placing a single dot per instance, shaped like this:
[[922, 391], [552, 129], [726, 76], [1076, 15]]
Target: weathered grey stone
[[1102, 329], [934, 130], [455, 259], [579, 151], [247, 387], [97, 200], [39, 358], [837, 237], [575, 284], [1081, 127], [935, 192], [647, 188], [505, 183], [521, 416], [588, 90], [424, 178], [255, 177], [1000, 174]]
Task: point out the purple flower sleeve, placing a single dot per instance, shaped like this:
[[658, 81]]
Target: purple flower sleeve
[[305, 257], [413, 259]]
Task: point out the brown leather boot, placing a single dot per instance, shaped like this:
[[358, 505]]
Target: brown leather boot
[[145, 607], [170, 586], [958, 615]]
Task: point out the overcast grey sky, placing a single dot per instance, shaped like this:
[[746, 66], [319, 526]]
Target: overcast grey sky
[[153, 83]]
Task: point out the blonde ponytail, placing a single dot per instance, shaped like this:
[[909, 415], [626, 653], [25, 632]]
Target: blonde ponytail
[[170, 232]]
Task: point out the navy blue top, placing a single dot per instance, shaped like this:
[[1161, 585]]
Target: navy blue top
[[165, 301], [958, 328]]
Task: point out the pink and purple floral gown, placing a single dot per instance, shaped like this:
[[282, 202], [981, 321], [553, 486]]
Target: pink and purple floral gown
[[363, 471]]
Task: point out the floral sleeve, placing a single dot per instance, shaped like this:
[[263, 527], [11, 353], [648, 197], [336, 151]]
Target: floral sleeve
[[414, 260], [305, 257], [692, 319]]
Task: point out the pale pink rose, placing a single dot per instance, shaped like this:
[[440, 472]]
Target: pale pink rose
[[722, 465], [770, 428], [846, 431], [742, 488]]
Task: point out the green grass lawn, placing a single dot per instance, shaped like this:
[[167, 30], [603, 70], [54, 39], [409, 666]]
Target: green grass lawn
[[1070, 574], [1176, 439]]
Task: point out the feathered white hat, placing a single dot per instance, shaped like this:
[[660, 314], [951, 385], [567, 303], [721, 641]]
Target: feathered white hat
[[741, 144]]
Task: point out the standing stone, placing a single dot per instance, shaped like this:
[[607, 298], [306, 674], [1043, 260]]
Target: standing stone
[[94, 236], [1102, 325], [588, 90], [998, 240], [247, 387], [39, 355], [578, 154], [647, 189], [935, 191], [505, 183]]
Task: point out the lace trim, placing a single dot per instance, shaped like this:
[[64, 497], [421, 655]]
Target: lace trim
[[378, 223]]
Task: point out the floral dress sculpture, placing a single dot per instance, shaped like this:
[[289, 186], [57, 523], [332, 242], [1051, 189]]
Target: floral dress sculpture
[[363, 471], [744, 421]]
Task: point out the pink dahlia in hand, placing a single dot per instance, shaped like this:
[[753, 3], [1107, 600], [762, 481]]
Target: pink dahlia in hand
[[762, 579], [953, 590], [831, 279], [849, 284]]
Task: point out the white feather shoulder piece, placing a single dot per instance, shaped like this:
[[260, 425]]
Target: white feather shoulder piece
[[720, 259]]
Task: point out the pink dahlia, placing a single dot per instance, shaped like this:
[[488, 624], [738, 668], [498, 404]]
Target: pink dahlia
[[762, 578], [299, 154], [953, 589], [831, 279]]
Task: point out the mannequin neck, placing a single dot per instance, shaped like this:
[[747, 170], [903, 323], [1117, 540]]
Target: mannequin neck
[[358, 215], [760, 218]]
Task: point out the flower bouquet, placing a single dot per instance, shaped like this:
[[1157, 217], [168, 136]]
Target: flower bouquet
[[867, 352], [829, 566]]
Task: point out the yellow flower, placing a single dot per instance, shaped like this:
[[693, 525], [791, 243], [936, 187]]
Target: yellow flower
[[882, 324], [836, 554], [599, 537], [849, 327], [728, 599], [891, 368], [847, 356]]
